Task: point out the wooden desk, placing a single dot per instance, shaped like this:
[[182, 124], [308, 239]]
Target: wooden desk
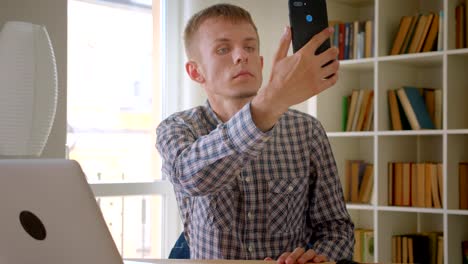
[[211, 261]]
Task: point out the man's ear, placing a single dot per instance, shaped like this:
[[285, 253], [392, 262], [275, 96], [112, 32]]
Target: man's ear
[[193, 72], [261, 61]]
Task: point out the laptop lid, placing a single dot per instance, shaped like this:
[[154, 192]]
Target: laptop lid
[[48, 214]]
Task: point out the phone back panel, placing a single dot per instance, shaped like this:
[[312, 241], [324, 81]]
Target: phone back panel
[[307, 18]]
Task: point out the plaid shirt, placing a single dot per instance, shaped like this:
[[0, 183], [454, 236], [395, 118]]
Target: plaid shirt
[[246, 194]]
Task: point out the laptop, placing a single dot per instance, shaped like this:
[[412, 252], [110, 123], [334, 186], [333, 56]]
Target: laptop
[[48, 215]]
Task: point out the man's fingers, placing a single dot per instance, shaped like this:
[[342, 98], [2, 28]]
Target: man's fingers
[[320, 258], [283, 48], [329, 82], [328, 55], [295, 255], [317, 40], [283, 257], [307, 256], [330, 69]]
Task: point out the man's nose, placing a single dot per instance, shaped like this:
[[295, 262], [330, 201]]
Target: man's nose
[[240, 56]]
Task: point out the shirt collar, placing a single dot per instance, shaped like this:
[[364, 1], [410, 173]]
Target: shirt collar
[[213, 119]]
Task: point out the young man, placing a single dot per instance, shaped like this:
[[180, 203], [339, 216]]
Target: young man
[[254, 179]]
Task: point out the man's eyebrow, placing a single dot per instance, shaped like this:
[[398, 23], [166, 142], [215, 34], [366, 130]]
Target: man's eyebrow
[[228, 40]]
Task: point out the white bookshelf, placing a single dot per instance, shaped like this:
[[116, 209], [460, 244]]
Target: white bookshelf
[[446, 70]]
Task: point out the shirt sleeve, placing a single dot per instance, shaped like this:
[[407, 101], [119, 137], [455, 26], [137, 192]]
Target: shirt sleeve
[[333, 230], [201, 165]]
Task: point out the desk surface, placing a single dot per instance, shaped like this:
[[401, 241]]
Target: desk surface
[[212, 261]]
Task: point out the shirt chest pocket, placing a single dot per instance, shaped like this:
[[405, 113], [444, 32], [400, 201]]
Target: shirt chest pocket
[[217, 210], [287, 204]]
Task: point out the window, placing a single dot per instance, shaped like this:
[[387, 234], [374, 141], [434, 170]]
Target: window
[[113, 110]]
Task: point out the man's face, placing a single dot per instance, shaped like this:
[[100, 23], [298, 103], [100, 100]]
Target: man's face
[[227, 59]]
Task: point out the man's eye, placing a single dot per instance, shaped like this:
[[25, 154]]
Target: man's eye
[[222, 51], [250, 49]]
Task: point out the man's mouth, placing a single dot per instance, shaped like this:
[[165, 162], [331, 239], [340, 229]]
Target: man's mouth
[[243, 74]]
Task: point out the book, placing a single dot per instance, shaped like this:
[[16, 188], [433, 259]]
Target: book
[[463, 184], [404, 249], [406, 183], [429, 45], [365, 190], [341, 37], [352, 110], [431, 169], [367, 98], [440, 38], [391, 180], [410, 250], [367, 246], [409, 36], [438, 108], [369, 119], [357, 109], [440, 249], [405, 124], [465, 252], [398, 184], [357, 256], [428, 185], [421, 185], [440, 180], [415, 108], [427, 25], [369, 39], [418, 34], [403, 29], [394, 111], [429, 100], [414, 184]]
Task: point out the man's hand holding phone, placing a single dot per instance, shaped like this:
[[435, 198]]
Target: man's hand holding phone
[[295, 78]]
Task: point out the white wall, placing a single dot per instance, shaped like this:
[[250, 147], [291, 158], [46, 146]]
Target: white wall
[[52, 14]]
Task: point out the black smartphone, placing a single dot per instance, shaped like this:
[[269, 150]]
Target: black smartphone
[[307, 18]]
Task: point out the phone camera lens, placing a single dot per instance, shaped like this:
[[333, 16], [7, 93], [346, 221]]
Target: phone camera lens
[[297, 4]]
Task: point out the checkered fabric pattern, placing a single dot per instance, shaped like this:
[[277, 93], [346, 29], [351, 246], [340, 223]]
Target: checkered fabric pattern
[[246, 194]]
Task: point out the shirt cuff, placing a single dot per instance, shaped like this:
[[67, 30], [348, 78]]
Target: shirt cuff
[[245, 135]]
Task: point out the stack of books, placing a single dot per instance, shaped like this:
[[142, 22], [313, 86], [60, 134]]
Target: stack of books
[[415, 184], [426, 247], [413, 108], [353, 39], [359, 181], [358, 111], [419, 33]]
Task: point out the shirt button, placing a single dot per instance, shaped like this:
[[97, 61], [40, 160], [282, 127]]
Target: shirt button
[[248, 179], [250, 248], [187, 199], [290, 188], [249, 215]]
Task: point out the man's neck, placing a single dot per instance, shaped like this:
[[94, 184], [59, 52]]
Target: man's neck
[[225, 109]]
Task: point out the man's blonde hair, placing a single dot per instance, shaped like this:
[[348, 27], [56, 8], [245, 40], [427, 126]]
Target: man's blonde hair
[[232, 13]]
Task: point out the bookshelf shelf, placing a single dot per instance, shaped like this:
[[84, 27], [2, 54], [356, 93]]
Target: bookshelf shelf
[[351, 206], [350, 134], [457, 212], [410, 132], [410, 209], [446, 70], [422, 59]]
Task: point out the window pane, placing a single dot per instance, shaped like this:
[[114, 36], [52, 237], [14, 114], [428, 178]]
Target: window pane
[[111, 116], [135, 224]]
